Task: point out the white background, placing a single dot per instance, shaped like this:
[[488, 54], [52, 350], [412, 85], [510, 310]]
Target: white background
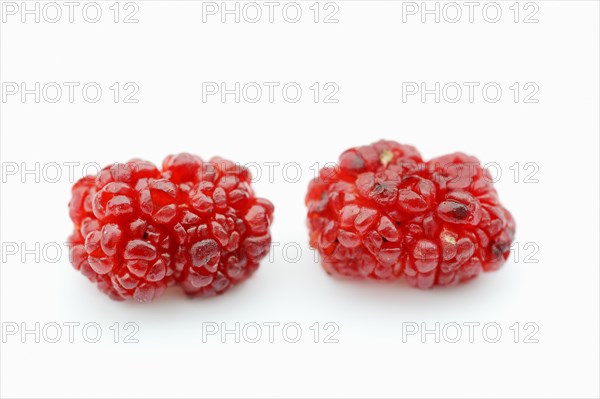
[[369, 53]]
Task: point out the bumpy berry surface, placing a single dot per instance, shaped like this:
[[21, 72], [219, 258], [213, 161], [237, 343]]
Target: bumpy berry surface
[[197, 224], [384, 213]]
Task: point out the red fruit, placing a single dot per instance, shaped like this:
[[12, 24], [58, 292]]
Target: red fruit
[[197, 224], [384, 213]]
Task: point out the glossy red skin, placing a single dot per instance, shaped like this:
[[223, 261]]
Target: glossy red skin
[[384, 213], [195, 224]]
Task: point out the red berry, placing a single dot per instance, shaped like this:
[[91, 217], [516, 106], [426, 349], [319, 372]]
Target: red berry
[[197, 224], [384, 213]]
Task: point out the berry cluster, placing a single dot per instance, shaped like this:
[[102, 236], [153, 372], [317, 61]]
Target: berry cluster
[[383, 213], [197, 224]]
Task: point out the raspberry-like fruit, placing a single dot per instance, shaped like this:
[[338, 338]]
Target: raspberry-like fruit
[[384, 213], [197, 224]]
